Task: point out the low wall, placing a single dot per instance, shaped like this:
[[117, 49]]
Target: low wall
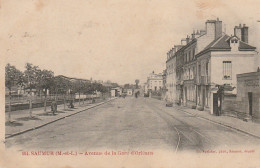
[[24, 106], [234, 108]]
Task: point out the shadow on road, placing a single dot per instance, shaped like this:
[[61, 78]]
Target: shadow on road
[[27, 118], [13, 124], [47, 114]]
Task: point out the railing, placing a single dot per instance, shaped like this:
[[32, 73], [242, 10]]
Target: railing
[[36, 98], [203, 80]]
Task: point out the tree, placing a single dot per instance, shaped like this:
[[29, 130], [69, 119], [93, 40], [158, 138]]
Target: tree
[[13, 77], [136, 83], [78, 88], [44, 82], [30, 77], [127, 86]]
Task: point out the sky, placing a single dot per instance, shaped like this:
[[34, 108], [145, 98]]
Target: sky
[[116, 40]]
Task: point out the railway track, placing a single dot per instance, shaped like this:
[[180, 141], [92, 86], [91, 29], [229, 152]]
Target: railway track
[[188, 137]]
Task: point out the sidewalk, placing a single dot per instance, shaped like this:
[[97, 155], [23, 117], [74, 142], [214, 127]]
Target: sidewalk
[[249, 128], [21, 122]]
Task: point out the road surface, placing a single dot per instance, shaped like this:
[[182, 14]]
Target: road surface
[[130, 124]]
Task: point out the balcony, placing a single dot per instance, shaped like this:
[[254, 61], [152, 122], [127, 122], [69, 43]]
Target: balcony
[[203, 80], [179, 82]]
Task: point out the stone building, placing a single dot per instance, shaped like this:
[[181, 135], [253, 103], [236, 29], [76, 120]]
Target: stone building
[[207, 60], [171, 75], [248, 95], [155, 82], [218, 64]]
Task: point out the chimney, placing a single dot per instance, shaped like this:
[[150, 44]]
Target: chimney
[[187, 39], [214, 28], [202, 32], [241, 32], [183, 42], [193, 35], [173, 51], [238, 31], [244, 33], [197, 34]]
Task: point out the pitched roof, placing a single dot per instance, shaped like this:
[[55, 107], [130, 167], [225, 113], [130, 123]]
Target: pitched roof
[[222, 43], [245, 46]]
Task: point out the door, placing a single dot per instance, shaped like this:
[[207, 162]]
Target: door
[[185, 95], [215, 103], [203, 97], [250, 100]]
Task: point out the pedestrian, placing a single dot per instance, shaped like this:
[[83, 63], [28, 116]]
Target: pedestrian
[[71, 104], [53, 107], [219, 107]]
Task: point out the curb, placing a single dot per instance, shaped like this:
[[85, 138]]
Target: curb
[[222, 124], [50, 122]]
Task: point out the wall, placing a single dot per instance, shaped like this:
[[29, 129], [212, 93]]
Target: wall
[[171, 79], [238, 60], [249, 82]]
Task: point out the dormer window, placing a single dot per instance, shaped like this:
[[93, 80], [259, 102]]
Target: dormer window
[[234, 43]]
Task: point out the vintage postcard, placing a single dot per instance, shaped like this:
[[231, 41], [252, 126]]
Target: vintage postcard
[[130, 83]]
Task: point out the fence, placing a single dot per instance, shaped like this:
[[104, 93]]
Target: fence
[[22, 102]]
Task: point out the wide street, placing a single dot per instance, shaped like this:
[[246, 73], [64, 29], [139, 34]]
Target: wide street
[[130, 124]]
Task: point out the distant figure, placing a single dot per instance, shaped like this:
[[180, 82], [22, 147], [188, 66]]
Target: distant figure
[[71, 104], [53, 107], [219, 107]]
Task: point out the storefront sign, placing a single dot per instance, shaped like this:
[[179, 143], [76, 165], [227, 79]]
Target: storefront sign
[[252, 83]]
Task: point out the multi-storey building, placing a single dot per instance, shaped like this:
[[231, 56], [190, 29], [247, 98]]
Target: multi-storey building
[[207, 60], [171, 75], [219, 63], [155, 81]]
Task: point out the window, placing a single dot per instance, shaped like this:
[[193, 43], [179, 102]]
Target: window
[[199, 71], [189, 74], [234, 41], [193, 72], [193, 53], [207, 69], [227, 69], [190, 55]]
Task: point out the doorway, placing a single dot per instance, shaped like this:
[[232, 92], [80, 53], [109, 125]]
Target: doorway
[[250, 101], [215, 103]]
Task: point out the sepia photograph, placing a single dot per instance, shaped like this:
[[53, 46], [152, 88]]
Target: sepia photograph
[[130, 83]]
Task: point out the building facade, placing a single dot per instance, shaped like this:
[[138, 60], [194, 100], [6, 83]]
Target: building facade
[[171, 76], [218, 64], [207, 60], [155, 82], [248, 95]]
